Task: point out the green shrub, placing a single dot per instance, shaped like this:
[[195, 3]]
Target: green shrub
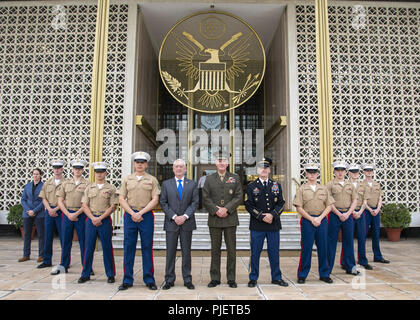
[[395, 215], [15, 216]]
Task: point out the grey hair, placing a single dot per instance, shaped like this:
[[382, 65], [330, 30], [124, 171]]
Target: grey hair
[[180, 160]]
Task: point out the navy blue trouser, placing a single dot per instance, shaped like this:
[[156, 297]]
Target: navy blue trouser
[[360, 226], [334, 225], [131, 231], [50, 225], [273, 246], [67, 230], [309, 235], [40, 230], [374, 222], [104, 231]]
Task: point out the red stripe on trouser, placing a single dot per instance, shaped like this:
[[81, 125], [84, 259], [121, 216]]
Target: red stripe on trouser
[[112, 248], [123, 259], [85, 246], [301, 248], [153, 263]]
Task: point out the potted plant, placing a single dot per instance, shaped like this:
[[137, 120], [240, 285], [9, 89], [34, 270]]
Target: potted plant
[[395, 217], [15, 217]]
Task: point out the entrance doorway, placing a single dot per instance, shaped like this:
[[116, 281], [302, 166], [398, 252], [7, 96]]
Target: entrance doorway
[[174, 116]]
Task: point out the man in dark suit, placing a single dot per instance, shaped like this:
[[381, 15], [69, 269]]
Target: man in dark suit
[[179, 200], [222, 193]]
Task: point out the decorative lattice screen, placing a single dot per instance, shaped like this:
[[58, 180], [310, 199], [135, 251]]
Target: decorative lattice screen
[[115, 88], [46, 56], [375, 60]]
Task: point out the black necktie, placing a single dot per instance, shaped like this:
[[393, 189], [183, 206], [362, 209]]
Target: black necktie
[[265, 184]]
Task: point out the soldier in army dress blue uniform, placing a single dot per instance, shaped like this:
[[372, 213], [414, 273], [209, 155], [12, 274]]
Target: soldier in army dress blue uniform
[[265, 204]]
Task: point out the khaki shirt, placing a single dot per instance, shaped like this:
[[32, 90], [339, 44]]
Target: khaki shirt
[[72, 194], [99, 200], [313, 203], [139, 192], [373, 193], [343, 195], [361, 194], [49, 191]]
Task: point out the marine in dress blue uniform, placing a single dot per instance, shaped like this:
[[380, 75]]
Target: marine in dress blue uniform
[[138, 196], [313, 203], [53, 213], [359, 216], [70, 202], [341, 216], [99, 202], [373, 204], [265, 204]]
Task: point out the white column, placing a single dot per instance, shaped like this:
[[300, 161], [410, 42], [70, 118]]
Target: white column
[[129, 106]]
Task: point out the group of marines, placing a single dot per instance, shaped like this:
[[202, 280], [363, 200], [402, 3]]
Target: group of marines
[[87, 207]]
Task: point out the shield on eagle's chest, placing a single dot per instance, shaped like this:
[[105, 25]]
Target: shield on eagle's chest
[[212, 76]]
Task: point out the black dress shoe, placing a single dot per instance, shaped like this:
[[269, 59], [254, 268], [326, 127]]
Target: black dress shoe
[[189, 285], [111, 280], [58, 271], [213, 283], [327, 280], [82, 280], [382, 260], [167, 285], [232, 284], [152, 286], [44, 265], [355, 273], [280, 282], [92, 273], [252, 283], [367, 266], [124, 286], [301, 280]]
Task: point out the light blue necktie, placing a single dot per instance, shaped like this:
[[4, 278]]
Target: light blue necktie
[[180, 189]]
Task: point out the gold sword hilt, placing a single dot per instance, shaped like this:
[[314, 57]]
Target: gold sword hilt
[[233, 39], [191, 38]]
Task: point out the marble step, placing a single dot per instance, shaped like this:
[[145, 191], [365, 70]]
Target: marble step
[[289, 235]]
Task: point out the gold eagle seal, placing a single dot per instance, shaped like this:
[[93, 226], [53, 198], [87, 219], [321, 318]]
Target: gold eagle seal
[[212, 62]]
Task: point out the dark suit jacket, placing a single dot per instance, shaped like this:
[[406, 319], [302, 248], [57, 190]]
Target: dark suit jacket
[[31, 201], [173, 205], [226, 193]]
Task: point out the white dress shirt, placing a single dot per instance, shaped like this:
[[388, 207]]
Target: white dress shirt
[[177, 184]]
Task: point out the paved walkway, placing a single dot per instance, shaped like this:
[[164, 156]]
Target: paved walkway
[[398, 280]]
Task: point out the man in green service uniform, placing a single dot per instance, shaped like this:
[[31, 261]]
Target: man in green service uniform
[[222, 193]]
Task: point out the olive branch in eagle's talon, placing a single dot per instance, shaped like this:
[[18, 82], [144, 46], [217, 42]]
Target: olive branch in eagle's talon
[[248, 85], [174, 84]]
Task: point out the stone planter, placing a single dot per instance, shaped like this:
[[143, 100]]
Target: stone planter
[[393, 234]]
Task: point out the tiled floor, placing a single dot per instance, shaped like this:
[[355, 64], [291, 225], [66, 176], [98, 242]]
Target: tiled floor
[[398, 280]]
